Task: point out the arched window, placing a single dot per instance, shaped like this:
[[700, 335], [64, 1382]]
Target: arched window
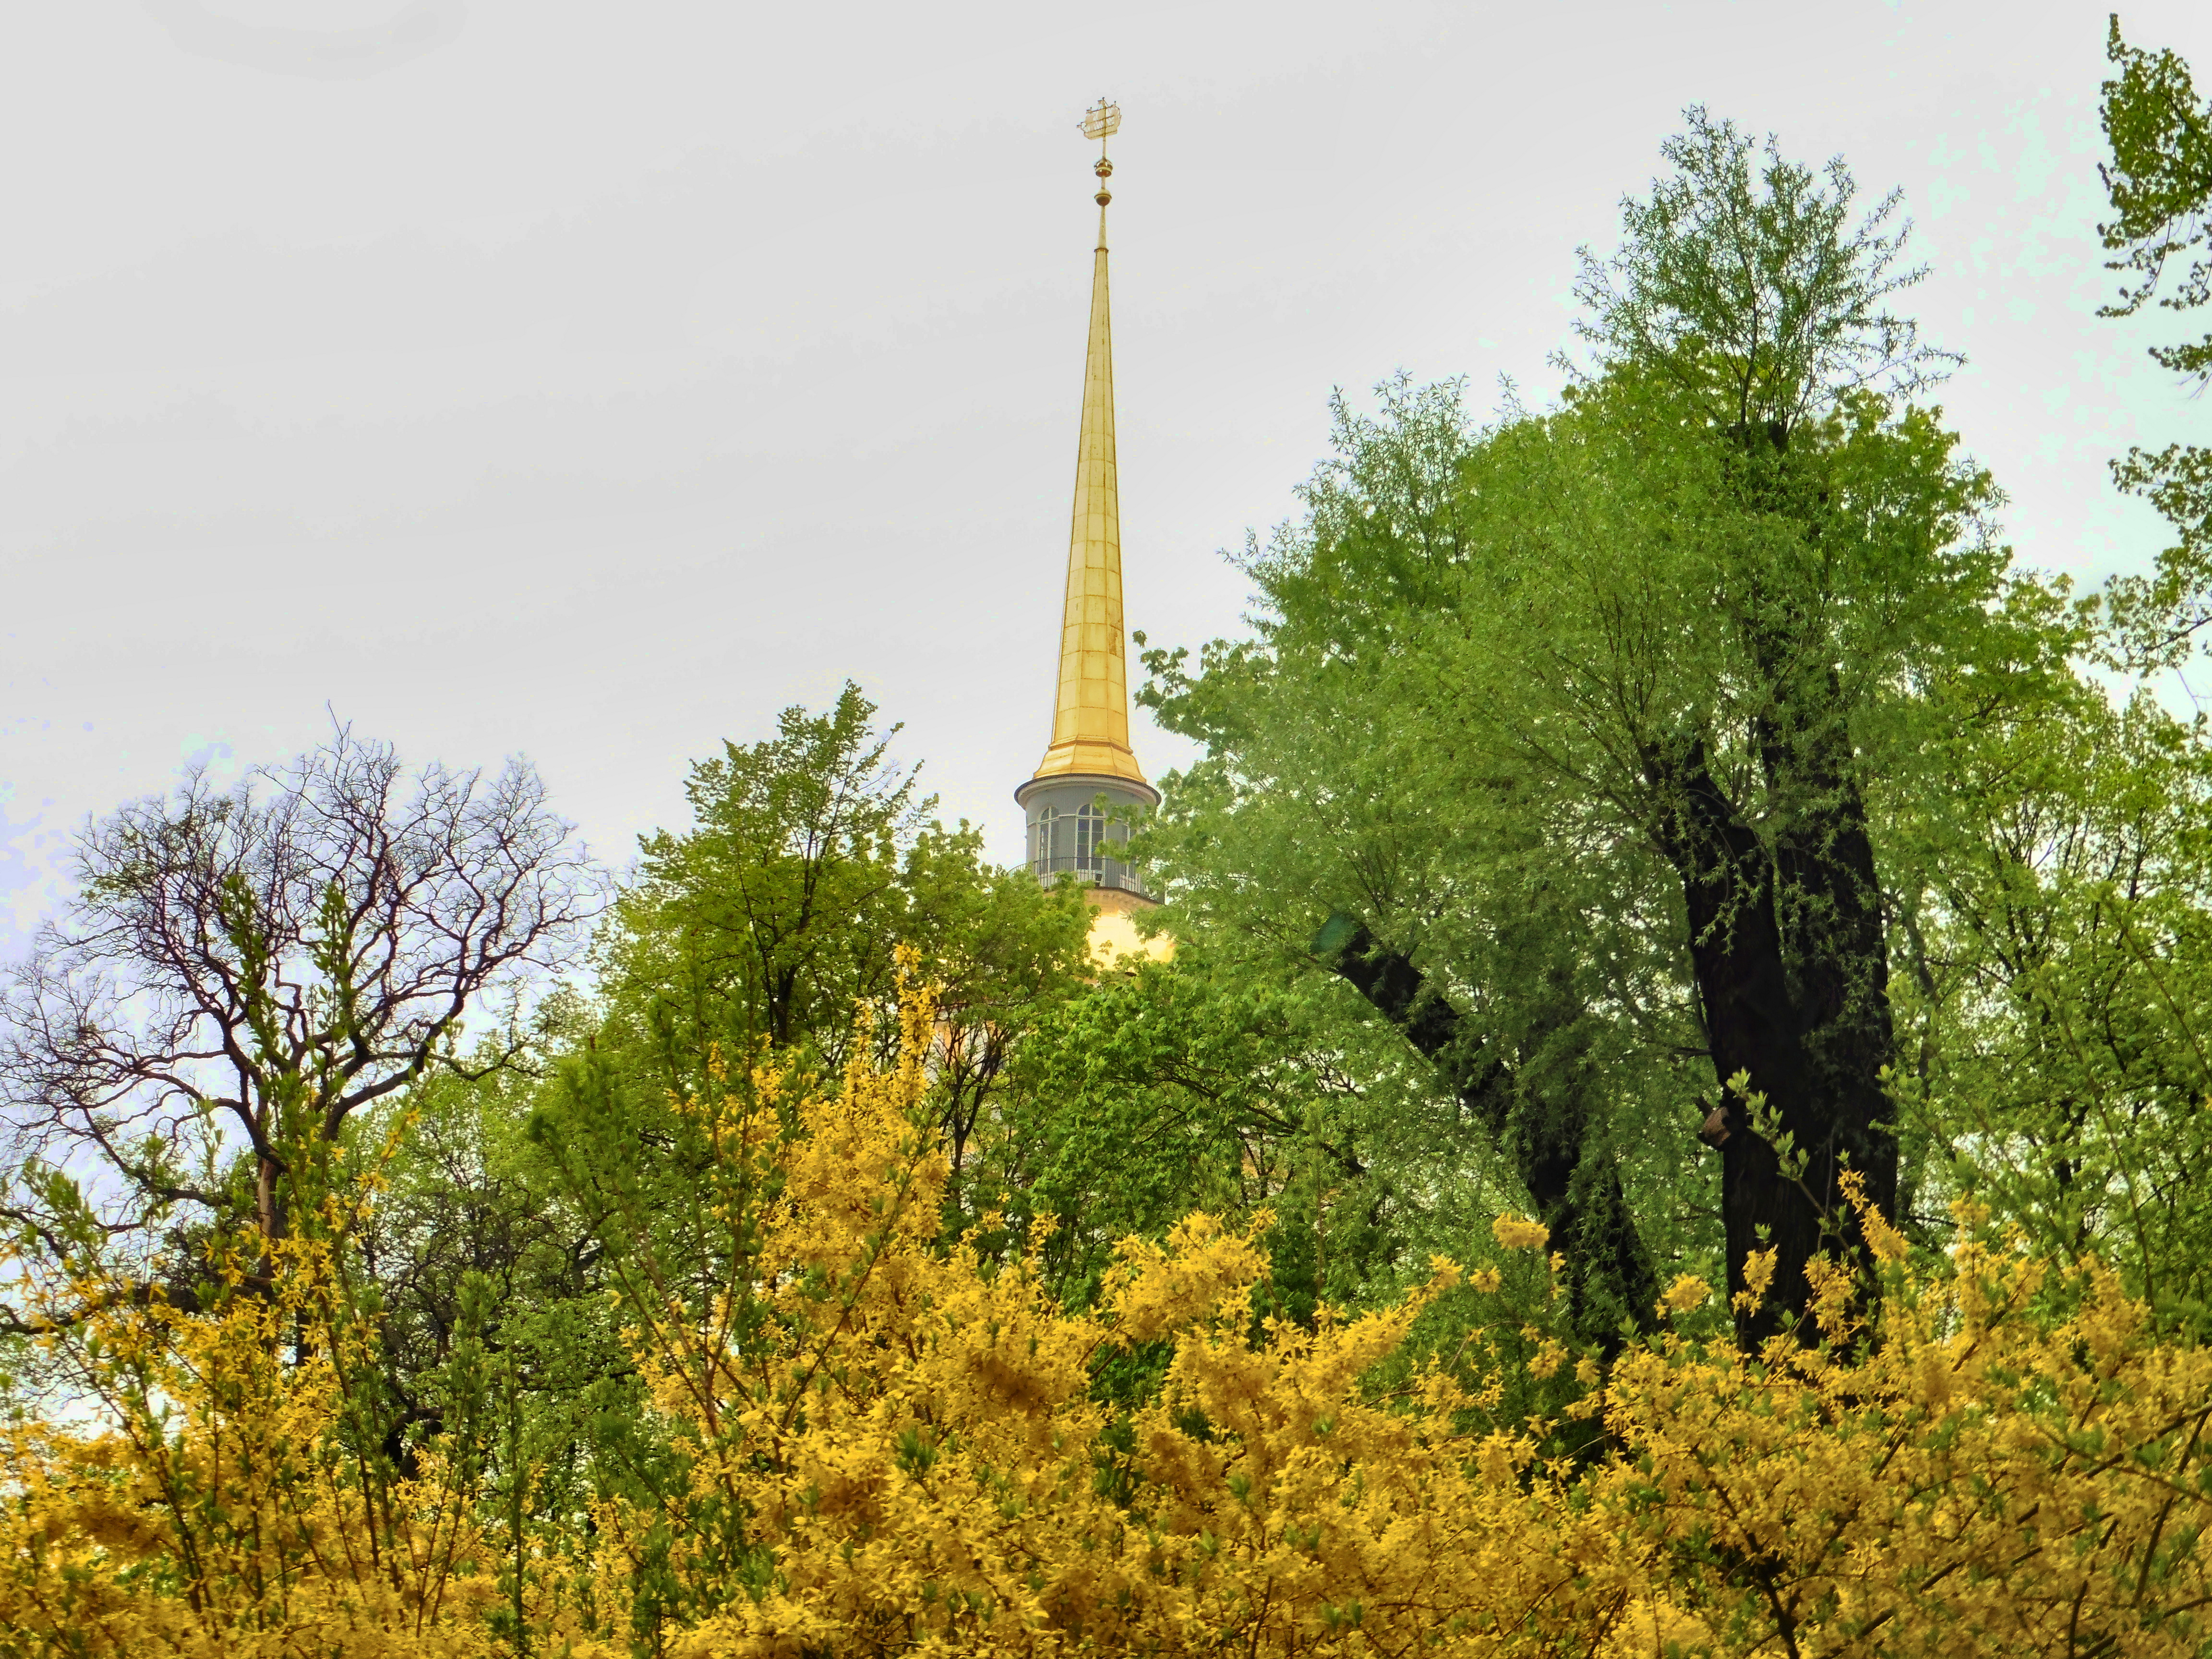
[[1041, 843], [1090, 839]]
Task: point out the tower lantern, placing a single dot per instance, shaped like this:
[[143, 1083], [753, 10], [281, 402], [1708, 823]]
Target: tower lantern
[[1080, 797]]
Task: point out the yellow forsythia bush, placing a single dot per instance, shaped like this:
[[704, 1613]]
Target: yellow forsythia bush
[[212, 1513], [895, 1448]]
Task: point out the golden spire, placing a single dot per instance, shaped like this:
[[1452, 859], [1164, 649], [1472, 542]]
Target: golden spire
[[1091, 719]]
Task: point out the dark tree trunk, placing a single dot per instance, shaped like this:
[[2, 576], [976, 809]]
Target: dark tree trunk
[[1838, 951], [1553, 1141], [1792, 970]]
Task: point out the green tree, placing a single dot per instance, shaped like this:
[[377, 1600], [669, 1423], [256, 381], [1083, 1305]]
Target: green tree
[[471, 1241], [1003, 955], [1587, 710], [2160, 180], [759, 951], [1341, 822], [772, 917], [1745, 351], [1206, 1084], [2055, 904], [774, 921]]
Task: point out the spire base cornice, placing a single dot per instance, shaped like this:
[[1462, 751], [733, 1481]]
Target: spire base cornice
[[1128, 786]]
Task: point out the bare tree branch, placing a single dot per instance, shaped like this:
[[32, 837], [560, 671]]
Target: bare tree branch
[[244, 969]]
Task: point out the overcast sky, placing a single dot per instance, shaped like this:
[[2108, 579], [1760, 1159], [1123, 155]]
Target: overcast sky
[[591, 381]]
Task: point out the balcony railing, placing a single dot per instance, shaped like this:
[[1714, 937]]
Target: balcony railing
[[1094, 872]]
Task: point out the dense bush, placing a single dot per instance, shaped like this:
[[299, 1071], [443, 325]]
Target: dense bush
[[888, 1443]]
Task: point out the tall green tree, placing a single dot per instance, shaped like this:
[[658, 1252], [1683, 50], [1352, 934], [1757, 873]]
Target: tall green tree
[[758, 949], [1746, 358], [1578, 720], [1341, 822]]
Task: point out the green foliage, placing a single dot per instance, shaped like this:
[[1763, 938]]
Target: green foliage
[[1742, 283], [1564, 710], [770, 918], [1205, 1082], [773, 920], [2160, 179], [2057, 897], [1005, 956]]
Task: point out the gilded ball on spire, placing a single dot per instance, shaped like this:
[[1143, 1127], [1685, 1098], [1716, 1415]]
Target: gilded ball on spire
[[1101, 121]]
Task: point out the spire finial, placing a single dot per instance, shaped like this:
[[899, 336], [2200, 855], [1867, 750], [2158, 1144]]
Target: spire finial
[[1101, 121]]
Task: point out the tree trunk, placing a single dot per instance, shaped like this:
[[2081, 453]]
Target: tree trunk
[[1554, 1145], [1791, 968]]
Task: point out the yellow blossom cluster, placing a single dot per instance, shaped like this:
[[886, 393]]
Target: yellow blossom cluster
[[896, 1447], [1516, 1233]]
